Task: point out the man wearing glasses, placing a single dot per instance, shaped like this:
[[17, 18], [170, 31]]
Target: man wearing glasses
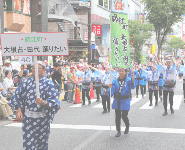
[[36, 113]]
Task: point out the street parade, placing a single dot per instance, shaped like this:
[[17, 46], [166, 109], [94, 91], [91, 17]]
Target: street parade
[[92, 74]]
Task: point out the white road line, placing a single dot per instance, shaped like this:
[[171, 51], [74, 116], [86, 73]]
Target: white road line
[[135, 100], [146, 106], [177, 99], [107, 128]]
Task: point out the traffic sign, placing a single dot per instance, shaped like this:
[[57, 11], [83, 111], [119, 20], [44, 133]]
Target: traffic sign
[[34, 44], [86, 4], [25, 60]]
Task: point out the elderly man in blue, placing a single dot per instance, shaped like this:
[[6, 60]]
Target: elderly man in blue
[[121, 88], [36, 113], [169, 72]]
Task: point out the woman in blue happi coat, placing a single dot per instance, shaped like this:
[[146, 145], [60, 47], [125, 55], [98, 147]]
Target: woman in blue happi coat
[[121, 88]]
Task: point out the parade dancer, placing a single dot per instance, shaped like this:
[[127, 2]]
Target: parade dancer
[[86, 84], [105, 81], [153, 83], [139, 81], [98, 74], [37, 113], [181, 68], [121, 88], [169, 72]]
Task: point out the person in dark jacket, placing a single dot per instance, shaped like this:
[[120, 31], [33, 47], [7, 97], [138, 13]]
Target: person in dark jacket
[[56, 77]]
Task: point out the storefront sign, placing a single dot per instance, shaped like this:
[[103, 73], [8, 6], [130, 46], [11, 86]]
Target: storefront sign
[[96, 29]]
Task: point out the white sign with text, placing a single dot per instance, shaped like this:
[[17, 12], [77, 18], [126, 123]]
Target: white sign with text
[[34, 44]]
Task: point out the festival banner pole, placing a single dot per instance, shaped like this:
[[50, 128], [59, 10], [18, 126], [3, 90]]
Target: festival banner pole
[[110, 50]]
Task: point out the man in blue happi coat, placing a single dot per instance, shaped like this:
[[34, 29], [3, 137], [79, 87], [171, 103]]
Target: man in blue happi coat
[[139, 81], [36, 113], [121, 88]]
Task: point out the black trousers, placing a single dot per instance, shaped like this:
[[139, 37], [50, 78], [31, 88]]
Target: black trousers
[[118, 115], [141, 87], [85, 92], [98, 92], [144, 89], [160, 91], [165, 95], [151, 95], [106, 102]]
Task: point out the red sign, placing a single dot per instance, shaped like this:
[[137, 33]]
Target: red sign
[[118, 6], [96, 29], [86, 35]]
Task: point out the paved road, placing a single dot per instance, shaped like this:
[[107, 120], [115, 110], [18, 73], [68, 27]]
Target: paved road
[[86, 128]]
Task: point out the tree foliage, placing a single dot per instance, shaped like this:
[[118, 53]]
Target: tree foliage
[[139, 33], [175, 44], [163, 14]]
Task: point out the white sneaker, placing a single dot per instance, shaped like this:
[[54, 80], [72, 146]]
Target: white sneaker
[[13, 116], [9, 118]]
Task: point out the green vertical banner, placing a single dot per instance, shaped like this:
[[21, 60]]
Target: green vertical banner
[[120, 45], [143, 61]]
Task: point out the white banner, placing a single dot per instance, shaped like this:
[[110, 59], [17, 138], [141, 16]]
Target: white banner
[[25, 60], [34, 44]]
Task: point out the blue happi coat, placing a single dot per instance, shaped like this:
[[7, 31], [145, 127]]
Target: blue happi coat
[[124, 104], [160, 82], [36, 128], [136, 75]]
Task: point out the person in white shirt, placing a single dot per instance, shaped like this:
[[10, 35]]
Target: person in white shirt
[[169, 72], [8, 83], [7, 67]]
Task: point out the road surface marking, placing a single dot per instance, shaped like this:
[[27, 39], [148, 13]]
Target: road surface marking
[[177, 99], [107, 128]]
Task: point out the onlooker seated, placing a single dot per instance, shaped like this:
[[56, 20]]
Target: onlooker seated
[[8, 85], [6, 109], [8, 66]]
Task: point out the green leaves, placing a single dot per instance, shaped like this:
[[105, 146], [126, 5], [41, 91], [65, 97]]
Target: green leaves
[[163, 14], [139, 33]]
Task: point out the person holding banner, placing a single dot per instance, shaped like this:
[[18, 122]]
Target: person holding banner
[[36, 113], [121, 88], [169, 72]]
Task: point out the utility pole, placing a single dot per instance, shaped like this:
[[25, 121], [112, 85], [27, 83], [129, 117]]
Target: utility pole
[[89, 34], [2, 16]]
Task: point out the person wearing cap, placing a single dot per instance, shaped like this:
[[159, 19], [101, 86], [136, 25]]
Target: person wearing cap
[[169, 72], [65, 71], [139, 81], [56, 77], [7, 67], [36, 113], [121, 88], [72, 82], [47, 73]]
